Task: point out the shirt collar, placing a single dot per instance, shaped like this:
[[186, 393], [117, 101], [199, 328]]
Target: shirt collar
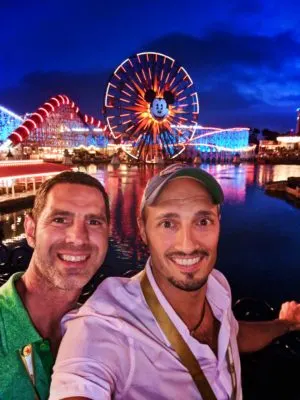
[[217, 296], [18, 330]]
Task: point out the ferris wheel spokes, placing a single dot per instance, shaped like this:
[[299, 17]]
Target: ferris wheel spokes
[[146, 94]]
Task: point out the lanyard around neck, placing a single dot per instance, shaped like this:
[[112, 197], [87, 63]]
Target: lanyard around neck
[[184, 353]]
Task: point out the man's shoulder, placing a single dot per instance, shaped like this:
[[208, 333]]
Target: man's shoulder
[[116, 306], [218, 282], [8, 292], [16, 328], [220, 278], [115, 292]]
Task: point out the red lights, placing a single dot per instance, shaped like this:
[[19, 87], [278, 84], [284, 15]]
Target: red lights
[[38, 118]]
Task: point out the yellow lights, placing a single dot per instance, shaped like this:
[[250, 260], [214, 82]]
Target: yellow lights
[[20, 162], [112, 146], [288, 139], [90, 148], [11, 179]]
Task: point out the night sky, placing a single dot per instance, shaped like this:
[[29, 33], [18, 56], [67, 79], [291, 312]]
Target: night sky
[[244, 57]]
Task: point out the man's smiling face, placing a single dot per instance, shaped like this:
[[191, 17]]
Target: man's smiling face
[[70, 236], [181, 230]]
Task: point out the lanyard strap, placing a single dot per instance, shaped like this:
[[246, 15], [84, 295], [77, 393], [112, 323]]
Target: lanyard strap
[[230, 363], [186, 357], [27, 358]]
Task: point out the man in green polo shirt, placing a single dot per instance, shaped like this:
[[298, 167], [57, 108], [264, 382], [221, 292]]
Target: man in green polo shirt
[[68, 231]]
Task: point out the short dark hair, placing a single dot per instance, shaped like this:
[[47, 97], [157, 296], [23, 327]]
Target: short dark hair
[[79, 178]]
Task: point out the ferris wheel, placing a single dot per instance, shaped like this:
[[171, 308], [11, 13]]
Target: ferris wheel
[[151, 103]]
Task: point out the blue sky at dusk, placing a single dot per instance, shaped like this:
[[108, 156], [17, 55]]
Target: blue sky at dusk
[[244, 57]]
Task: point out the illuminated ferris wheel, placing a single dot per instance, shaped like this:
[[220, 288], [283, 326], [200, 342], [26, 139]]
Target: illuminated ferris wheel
[[149, 102]]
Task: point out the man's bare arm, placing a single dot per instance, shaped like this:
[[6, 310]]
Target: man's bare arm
[[254, 336]]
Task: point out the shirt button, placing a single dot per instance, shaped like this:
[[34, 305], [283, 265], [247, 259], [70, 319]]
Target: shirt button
[[44, 346], [27, 350]]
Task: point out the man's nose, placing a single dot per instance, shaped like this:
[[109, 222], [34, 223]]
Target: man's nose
[[186, 239], [77, 233]]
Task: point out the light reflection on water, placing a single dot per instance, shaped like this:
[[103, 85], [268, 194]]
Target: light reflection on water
[[260, 235]]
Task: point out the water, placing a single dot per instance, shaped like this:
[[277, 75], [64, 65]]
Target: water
[[260, 235]]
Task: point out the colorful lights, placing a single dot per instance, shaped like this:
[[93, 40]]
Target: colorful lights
[[288, 139], [150, 105], [5, 146], [11, 113], [41, 116], [8, 122], [208, 139], [136, 84]]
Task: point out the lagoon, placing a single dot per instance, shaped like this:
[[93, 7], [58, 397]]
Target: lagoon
[[260, 235]]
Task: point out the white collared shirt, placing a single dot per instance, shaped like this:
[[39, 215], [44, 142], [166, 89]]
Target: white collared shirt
[[114, 348]]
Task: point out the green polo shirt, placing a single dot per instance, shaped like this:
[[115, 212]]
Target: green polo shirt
[[17, 331]]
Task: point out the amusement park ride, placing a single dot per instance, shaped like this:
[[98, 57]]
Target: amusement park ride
[[151, 110], [147, 95]]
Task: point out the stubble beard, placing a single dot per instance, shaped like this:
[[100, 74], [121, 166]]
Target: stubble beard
[[49, 273], [190, 286]]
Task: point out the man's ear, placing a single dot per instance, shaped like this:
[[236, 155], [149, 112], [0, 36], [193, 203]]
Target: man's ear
[[29, 226], [142, 229]]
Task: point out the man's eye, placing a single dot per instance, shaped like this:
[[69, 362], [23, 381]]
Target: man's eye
[[59, 220], [95, 222], [205, 221], [167, 224]]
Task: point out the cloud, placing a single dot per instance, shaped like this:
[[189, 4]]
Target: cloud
[[217, 50], [240, 79], [86, 89], [224, 97]]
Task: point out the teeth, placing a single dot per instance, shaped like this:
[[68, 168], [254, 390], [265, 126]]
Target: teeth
[[187, 261], [67, 257]]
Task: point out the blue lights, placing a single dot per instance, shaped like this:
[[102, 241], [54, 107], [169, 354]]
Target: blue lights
[[9, 121], [97, 141], [214, 139]]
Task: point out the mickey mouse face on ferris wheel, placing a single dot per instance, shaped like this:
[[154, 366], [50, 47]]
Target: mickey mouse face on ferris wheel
[[159, 107]]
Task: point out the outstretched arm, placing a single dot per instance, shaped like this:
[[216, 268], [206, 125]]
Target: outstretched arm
[[254, 336]]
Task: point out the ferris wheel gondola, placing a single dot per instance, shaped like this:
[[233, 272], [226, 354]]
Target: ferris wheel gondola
[[149, 97]]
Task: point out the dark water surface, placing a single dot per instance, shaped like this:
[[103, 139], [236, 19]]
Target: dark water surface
[[260, 235]]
